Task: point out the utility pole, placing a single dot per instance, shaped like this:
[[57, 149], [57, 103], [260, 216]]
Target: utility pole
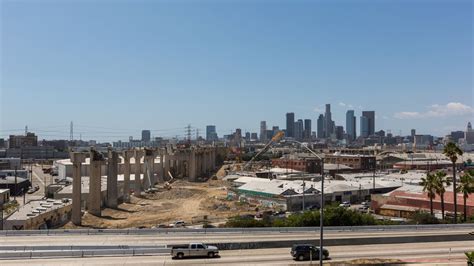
[[304, 184], [14, 193]]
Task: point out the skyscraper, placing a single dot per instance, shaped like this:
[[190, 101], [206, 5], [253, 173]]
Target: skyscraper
[[320, 126], [211, 134], [351, 125], [364, 126], [339, 130], [263, 130], [299, 128], [328, 123], [307, 129], [290, 125], [370, 115], [146, 135]]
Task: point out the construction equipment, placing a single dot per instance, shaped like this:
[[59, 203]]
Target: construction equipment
[[274, 139]]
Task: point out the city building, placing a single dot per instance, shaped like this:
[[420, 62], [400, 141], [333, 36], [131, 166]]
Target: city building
[[351, 125], [370, 115], [299, 162], [364, 127], [307, 129], [290, 125], [17, 185], [20, 141], [298, 129], [469, 135], [211, 134], [457, 135], [146, 135], [339, 131], [263, 131], [354, 161], [253, 136], [328, 123], [320, 127]]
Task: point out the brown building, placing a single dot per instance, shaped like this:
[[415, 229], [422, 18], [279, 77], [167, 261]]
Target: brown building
[[303, 162], [356, 162], [19, 141]]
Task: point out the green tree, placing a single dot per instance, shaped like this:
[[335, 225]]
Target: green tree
[[441, 181], [429, 186], [466, 187], [452, 151]]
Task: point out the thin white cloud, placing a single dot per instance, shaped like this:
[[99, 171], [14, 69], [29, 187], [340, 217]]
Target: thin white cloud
[[438, 111], [346, 105], [319, 109]]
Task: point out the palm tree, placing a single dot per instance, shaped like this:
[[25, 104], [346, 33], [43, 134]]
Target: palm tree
[[440, 182], [452, 151], [466, 187], [429, 186]]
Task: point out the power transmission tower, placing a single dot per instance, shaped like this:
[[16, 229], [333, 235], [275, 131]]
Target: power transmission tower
[[188, 132], [197, 133], [26, 130]]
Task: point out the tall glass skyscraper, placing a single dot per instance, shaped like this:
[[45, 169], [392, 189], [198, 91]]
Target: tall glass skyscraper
[[351, 125], [290, 125]]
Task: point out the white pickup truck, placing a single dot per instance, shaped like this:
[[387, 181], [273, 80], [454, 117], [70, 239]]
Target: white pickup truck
[[194, 250]]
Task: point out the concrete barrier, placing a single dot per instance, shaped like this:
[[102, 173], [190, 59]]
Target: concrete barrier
[[83, 253], [232, 230], [66, 248]]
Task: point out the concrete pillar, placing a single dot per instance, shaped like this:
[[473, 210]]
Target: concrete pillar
[[112, 185], [161, 168], [167, 166], [214, 151], [149, 173], [138, 184], [77, 158], [94, 198], [192, 165], [204, 162], [126, 175]]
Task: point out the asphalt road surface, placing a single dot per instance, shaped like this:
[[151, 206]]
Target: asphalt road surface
[[448, 253]]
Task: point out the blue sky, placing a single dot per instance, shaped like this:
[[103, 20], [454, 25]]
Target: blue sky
[[116, 67]]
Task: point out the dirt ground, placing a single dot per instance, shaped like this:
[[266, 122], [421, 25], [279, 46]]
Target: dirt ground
[[185, 201]]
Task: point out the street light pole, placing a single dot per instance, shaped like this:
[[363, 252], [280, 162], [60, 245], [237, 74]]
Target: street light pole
[[321, 210]]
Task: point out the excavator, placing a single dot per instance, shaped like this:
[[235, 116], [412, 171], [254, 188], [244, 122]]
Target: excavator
[[279, 135]]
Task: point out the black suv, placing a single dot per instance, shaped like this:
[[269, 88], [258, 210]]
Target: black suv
[[307, 251]]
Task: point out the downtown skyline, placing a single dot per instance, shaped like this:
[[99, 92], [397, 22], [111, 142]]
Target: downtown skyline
[[170, 65]]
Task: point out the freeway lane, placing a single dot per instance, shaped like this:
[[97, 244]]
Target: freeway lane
[[182, 238], [446, 252]]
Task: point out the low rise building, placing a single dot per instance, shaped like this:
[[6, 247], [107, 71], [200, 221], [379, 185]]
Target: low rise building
[[4, 196], [355, 161], [40, 214]]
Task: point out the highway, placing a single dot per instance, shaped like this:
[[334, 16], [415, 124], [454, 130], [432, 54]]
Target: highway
[[439, 252], [232, 237]]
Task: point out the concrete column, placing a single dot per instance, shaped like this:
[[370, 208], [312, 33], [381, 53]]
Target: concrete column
[[192, 166], [126, 175], [214, 151], [112, 185], [94, 199], [77, 158], [149, 173], [138, 184], [167, 166], [161, 168], [204, 162]]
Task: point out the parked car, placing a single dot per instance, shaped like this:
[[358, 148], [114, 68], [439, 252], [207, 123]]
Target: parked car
[[194, 250], [345, 204], [178, 224], [307, 252]]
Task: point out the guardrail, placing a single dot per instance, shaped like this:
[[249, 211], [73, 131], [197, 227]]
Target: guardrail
[[232, 230], [82, 253], [78, 247]]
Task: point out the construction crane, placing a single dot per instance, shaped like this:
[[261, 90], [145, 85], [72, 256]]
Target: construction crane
[[274, 139]]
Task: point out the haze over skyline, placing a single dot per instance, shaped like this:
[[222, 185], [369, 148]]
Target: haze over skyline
[[123, 66]]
